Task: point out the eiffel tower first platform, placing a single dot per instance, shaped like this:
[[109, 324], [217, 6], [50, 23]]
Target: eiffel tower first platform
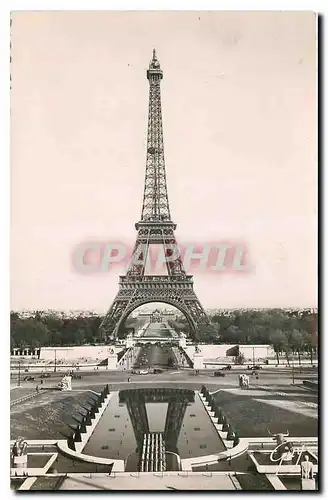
[[154, 227]]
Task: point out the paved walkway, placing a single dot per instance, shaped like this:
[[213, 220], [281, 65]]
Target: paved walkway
[[153, 482]]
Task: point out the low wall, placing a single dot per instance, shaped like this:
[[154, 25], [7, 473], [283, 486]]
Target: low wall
[[230, 452], [78, 352], [118, 465], [212, 351]]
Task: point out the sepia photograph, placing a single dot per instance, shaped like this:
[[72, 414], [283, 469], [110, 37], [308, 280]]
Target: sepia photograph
[[164, 250]]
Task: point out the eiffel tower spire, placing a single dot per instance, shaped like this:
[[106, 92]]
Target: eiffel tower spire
[[155, 205], [155, 227]]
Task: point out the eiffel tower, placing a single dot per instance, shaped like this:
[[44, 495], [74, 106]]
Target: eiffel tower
[[154, 227]]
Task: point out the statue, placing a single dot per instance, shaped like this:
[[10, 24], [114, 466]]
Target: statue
[[225, 425], [20, 447], [306, 468], [19, 453], [307, 476], [243, 381], [284, 450], [66, 383], [236, 439], [231, 434]]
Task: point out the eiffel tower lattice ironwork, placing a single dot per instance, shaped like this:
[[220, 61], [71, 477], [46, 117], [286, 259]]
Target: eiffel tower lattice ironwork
[[155, 227]]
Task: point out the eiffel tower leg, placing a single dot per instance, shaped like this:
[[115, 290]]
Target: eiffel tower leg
[[110, 325]]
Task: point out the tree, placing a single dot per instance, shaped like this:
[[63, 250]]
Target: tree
[[30, 332], [296, 342], [209, 333], [232, 335], [239, 359], [309, 322], [279, 342], [310, 344]]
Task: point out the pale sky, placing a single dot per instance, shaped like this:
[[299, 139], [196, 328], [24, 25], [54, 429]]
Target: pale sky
[[240, 136]]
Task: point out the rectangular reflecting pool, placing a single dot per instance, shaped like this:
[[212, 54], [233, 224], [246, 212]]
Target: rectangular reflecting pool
[[151, 429]]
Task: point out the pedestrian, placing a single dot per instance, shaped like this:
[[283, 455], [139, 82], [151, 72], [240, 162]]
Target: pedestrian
[[37, 388], [129, 378]]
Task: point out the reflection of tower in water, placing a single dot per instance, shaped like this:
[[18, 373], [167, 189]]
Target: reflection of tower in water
[[152, 447]]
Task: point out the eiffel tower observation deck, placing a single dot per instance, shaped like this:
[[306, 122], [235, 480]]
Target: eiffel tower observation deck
[[155, 226]]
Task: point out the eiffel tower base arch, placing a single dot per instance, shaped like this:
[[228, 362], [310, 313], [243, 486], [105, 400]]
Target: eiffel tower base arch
[[135, 292]]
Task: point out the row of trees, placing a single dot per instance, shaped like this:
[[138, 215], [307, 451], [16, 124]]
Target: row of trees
[[288, 332], [40, 329], [57, 329]]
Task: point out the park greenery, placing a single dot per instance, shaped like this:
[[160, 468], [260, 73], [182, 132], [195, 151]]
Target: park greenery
[[289, 332], [285, 330]]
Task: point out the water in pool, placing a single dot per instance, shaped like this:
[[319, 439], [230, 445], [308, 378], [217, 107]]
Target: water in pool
[[152, 429]]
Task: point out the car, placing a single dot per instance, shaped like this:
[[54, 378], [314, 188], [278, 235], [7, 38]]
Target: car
[[219, 374], [45, 375], [143, 372], [26, 379], [254, 367], [227, 367], [157, 370]]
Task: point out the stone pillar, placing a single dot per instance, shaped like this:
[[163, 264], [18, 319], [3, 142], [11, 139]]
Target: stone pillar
[[198, 361], [308, 484], [20, 462], [182, 341], [112, 360]]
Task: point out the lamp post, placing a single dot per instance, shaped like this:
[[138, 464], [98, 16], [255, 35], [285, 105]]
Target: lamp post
[[293, 372], [55, 369], [253, 356], [19, 372]]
